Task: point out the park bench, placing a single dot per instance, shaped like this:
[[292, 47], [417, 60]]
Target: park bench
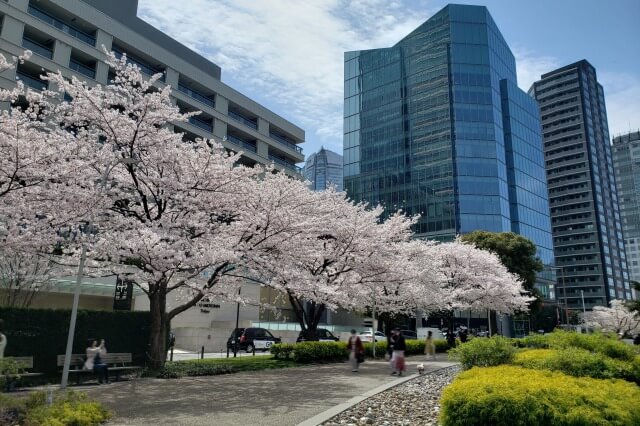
[[118, 363]]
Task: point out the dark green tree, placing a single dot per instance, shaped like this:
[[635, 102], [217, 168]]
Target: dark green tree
[[634, 305], [516, 252]]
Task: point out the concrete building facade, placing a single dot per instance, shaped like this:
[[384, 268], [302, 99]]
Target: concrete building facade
[[626, 163], [437, 126], [587, 227]]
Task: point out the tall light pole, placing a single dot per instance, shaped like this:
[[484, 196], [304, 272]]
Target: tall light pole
[[564, 291], [76, 293]]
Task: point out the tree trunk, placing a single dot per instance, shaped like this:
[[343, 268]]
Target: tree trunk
[[157, 339], [307, 318]]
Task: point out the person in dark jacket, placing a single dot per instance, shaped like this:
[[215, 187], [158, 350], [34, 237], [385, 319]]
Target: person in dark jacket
[[397, 359]]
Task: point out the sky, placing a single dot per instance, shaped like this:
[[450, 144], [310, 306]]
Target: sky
[[288, 54]]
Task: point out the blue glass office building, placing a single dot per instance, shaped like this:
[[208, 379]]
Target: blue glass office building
[[437, 126]]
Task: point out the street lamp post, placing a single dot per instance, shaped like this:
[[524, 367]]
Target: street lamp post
[[76, 294], [564, 291], [72, 324]]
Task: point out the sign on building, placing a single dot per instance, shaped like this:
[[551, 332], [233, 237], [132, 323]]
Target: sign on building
[[124, 295]]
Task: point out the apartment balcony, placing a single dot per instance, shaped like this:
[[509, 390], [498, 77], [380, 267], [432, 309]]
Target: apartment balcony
[[144, 67], [37, 48], [283, 140], [61, 25], [196, 95], [31, 81], [82, 69], [202, 124], [284, 163], [239, 117], [242, 143]]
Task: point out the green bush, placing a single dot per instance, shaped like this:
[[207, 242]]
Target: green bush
[[68, 408], [594, 342], [217, 366], [42, 333], [484, 352], [414, 347], [580, 363], [72, 409], [508, 395]]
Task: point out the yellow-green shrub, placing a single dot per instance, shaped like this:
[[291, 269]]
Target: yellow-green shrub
[[580, 363], [483, 352], [67, 409], [509, 395]]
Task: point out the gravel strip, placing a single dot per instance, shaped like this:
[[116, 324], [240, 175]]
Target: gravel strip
[[415, 402]]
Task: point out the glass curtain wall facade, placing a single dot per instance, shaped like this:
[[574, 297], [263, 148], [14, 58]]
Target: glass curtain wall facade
[[587, 230], [323, 169], [626, 163], [437, 126]]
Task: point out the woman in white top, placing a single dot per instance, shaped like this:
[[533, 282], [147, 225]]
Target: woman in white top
[[95, 355]]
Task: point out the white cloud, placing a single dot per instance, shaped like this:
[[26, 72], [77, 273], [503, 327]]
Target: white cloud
[[530, 66], [289, 54], [622, 97]]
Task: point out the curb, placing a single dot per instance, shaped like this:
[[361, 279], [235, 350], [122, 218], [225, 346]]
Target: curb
[[334, 411]]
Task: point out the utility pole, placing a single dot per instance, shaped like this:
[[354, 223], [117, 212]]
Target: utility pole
[[72, 324]]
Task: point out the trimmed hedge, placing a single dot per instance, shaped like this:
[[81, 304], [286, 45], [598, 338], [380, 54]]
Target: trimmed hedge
[[580, 363], [508, 395], [310, 352], [484, 352], [214, 367], [42, 333]]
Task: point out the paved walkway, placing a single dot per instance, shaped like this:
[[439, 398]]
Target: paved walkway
[[271, 397]]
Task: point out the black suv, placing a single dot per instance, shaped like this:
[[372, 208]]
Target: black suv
[[323, 334], [409, 334], [251, 339]]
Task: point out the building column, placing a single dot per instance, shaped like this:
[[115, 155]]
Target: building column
[[219, 129], [263, 126], [61, 53], [263, 148], [102, 69], [12, 30], [171, 78], [222, 105]]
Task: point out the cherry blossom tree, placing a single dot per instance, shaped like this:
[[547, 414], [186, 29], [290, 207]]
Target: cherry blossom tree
[[22, 276], [614, 319]]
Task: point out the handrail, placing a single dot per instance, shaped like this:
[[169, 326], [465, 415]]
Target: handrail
[[61, 25]]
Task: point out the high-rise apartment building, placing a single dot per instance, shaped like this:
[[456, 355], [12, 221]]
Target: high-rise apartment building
[[69, 35], [626, 163], [587, 228], [323, 169], [437, 126]]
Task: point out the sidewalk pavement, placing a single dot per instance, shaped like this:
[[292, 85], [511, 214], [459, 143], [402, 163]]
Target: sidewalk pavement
[[280, 397]]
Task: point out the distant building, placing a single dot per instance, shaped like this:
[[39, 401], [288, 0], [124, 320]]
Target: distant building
[[437, 126], [626, 163], [585, 217], [323, 169]]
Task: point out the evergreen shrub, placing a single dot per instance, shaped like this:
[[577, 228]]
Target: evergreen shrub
[[509, 395], [484, 352]]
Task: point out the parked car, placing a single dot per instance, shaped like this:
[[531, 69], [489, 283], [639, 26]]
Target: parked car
[[323, 334], [367, 336], [252, 338], [409, 334]]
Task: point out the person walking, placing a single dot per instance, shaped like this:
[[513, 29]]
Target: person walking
[[356, 351], [95, 362], [397, 359], [430, 346], [3, 339]]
